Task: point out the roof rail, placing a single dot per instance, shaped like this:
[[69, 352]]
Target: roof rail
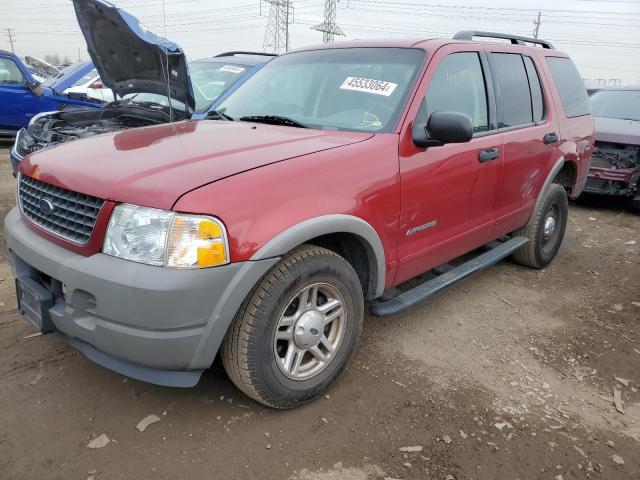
[[515, 39], [233, 53]]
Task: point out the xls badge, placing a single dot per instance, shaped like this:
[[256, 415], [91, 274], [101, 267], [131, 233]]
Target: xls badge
[[421, 228]]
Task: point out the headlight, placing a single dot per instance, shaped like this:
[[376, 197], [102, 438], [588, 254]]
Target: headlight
[[162, 238]]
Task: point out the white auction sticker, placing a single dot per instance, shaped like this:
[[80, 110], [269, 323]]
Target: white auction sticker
[[368, 85], [232, 69]]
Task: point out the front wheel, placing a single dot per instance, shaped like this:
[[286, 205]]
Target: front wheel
[[545, 229], [297, 329]]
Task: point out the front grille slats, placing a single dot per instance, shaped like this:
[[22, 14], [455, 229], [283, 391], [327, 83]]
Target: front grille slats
[[74, 214]]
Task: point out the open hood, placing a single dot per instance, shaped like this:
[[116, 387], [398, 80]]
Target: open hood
[[130, 58], [43, 68]]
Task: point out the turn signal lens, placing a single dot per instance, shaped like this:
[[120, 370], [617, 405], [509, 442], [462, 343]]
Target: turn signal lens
[[196, 242]]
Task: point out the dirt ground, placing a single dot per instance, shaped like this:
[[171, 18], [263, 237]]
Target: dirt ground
[[508, 375]]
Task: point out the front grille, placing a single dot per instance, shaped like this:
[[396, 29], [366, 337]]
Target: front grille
[[25, 146], [73, 216]]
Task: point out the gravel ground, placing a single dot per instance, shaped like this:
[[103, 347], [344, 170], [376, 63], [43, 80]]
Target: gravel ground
[[510, 374]]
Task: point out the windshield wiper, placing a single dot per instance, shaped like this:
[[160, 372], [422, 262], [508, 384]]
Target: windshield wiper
[[274, 120], [219, 114]]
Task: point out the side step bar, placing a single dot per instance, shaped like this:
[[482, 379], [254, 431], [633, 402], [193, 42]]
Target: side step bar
[[426, 290]]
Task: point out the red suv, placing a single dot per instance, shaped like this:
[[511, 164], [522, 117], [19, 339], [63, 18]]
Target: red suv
[[333, 175]]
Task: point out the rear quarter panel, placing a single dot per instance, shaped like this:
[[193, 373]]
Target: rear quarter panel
[[360, 179]]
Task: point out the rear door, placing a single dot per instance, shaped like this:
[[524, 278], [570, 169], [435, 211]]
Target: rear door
[[529, 134], [449, 192]]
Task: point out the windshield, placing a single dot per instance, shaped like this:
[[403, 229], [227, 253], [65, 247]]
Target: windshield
[[87, 78], [354, 89], [210, 79], [623, 104]]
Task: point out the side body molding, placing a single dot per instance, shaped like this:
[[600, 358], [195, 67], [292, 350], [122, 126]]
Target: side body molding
[[326, 224]]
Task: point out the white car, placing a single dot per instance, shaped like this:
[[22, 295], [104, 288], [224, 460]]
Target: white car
[[92, 87]]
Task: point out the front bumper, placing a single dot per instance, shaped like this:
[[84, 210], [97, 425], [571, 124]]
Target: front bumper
[[611, 181], [137, 319]]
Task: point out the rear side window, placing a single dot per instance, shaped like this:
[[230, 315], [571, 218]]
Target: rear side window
[[511, 77], [537, 101], [573, 93], [458, 85]]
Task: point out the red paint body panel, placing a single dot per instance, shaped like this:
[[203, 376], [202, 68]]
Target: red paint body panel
[[260, 179], [360, 179], [154, 166]]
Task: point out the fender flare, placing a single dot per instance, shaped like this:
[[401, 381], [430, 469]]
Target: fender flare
[[323, 225], [265, 258], [548, 181]]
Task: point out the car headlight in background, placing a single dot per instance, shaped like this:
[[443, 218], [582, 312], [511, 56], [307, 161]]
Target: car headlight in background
[[163, 238]]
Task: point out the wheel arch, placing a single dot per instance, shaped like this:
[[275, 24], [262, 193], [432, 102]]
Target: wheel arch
[[551, 176], [567, 176], [349, 236]]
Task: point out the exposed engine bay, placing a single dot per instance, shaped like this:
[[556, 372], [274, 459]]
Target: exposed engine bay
[[615, 155], [615, 170], [56, 127]]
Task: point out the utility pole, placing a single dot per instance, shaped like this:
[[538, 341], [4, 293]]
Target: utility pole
[[329, 28], [536, 24], [276, 35], [10, 36], [79, 54]]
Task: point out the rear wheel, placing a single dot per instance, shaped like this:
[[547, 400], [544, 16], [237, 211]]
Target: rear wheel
[[296, 331], [545, 229]]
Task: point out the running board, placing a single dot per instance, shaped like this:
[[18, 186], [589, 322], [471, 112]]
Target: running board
[[426, 290]]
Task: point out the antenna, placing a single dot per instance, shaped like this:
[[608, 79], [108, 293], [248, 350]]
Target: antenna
[[166, 56]]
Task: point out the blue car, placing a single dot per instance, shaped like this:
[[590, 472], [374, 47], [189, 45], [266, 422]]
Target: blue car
[[22, 97], [151, 81]]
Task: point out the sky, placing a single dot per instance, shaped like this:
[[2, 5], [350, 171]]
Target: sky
[[602, 36]]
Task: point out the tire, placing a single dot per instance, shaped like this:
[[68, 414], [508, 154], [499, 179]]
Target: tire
[[255, 357], [543, 246]]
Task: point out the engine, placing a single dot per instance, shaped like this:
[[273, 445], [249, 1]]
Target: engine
[[71, 124]]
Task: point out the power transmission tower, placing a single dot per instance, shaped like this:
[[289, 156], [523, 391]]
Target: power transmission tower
[[329, 28], [276, 35], [536, 24], [10, 36]]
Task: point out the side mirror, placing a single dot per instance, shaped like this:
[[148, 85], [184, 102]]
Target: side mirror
[[443, 128], [34, 86]]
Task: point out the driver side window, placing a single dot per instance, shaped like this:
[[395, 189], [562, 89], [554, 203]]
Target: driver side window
[[458, 86], [9, 72]]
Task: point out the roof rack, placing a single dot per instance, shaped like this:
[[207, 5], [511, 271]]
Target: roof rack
[[515, 39], [233, 53]]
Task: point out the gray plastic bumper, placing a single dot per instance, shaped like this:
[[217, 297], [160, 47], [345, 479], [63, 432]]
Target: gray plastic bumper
[[135, 314]]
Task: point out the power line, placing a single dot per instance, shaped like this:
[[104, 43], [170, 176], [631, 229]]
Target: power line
[[276, 35], [536, 24], [329, 28], [10, 37]]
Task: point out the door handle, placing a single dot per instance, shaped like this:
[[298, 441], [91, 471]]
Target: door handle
[[550, 138], [488, 155]]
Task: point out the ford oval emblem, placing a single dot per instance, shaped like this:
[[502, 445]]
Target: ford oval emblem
[[46, 207]]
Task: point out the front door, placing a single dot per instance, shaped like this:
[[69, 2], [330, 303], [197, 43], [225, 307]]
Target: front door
[[16, 99], [449, 192]]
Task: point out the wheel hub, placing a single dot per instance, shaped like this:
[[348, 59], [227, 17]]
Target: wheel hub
[[308, 329], [549, 227]]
